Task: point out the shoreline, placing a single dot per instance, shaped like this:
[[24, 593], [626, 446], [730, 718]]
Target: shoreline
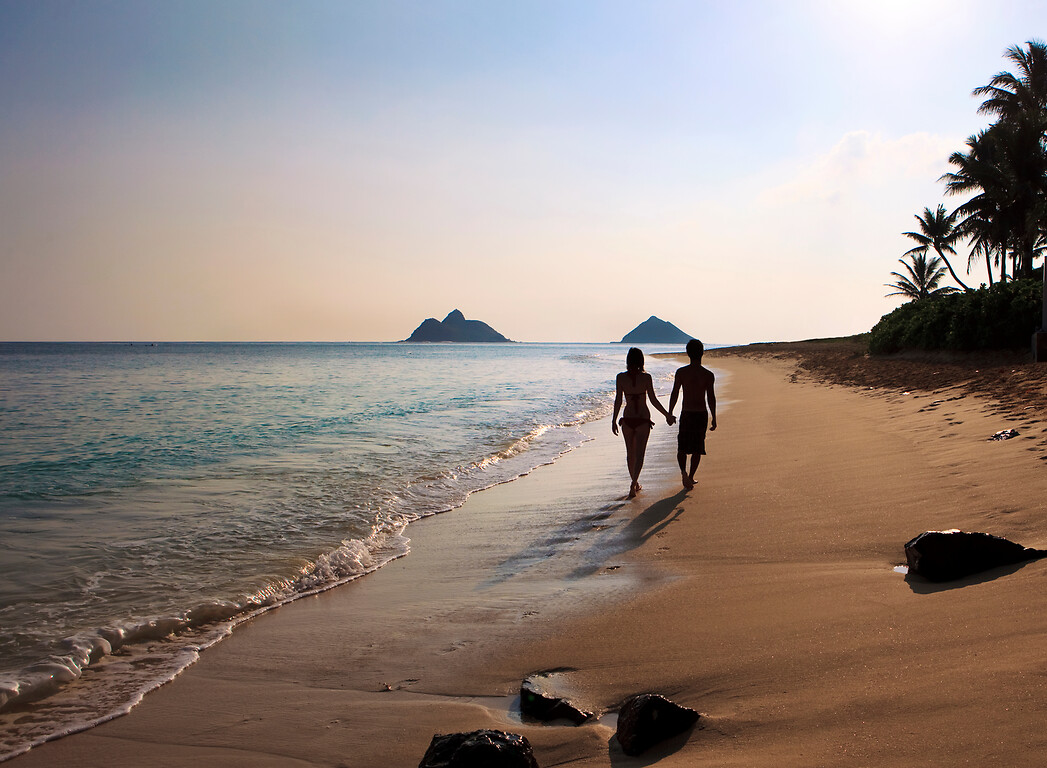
[[543, 567], [115, 643], [766, 599]]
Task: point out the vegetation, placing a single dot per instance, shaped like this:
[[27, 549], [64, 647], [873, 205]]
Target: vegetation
[[1001, 316], [1004, 223], [922, 280], [938, 231]]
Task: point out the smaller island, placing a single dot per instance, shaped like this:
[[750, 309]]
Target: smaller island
[[455, 327], [655, 331]]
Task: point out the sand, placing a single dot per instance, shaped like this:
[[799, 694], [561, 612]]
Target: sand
[[766, 599]]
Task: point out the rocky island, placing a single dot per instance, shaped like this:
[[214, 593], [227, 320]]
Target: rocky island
[[455, 327], [656, 331]]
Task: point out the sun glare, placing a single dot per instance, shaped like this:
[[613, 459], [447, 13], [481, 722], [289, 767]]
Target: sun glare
[[890, 16]]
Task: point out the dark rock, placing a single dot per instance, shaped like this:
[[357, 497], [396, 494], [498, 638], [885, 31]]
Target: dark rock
[[656, 331], [647, 719], [1005, 434], [455, 327], [538, 703], [948, 555], [479, 749]]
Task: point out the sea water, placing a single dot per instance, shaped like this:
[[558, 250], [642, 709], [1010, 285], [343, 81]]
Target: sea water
[[152, 497]]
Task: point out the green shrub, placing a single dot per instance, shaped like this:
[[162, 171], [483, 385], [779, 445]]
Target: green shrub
[[1001, 317]]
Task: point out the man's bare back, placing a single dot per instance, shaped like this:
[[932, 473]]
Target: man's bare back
[[696, 382]]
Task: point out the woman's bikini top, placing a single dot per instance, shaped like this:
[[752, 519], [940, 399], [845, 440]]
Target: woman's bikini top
[[640, 404]]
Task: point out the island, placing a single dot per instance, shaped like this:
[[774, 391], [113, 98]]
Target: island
[[455, 327], [655, 331]]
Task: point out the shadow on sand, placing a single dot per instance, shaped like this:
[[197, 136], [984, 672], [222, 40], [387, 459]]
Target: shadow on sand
[[922, 586], [592, 540], [655, 754], [556, 542], [648, 523], [652, 520]]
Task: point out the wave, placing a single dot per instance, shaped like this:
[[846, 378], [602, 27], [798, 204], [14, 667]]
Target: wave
[[202, 625], [174, 642]]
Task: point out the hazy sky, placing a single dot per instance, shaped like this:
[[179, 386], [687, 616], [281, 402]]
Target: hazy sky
[[561, 169]]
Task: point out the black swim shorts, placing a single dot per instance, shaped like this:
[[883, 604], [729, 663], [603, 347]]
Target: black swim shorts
[[692, 432]]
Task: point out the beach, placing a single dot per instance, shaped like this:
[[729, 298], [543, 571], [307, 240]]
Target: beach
[[768, 599]]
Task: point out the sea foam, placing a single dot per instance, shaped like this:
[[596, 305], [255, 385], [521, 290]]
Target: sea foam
[[152, 499]]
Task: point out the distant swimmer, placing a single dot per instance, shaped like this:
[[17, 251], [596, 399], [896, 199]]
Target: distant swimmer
[[697, 384], [637, 387]]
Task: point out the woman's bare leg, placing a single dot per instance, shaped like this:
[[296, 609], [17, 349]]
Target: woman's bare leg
[[643, 434], [629, 433], [635, 448]]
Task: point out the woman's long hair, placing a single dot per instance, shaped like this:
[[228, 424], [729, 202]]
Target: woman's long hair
[[634, 360]]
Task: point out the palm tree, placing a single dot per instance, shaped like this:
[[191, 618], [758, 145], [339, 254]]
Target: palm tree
[[938, 231], [981, 244], [1023, 166], [1020, 102], [1009, 95], [1006, 165], [922, 280], [975, 172]]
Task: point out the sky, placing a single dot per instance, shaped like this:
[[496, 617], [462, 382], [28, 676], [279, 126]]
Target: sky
[[259, 170]]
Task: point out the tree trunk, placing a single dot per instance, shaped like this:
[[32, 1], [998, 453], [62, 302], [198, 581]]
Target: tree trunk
[[1026, 265], [1043, 326], [951, 270]]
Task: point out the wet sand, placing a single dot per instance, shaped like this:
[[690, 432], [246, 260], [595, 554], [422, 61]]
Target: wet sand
[[766, 599]]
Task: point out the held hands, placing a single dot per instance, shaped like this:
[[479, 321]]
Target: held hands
[[670, 419]]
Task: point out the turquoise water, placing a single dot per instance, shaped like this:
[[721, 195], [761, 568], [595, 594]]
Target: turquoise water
[[152, 497]]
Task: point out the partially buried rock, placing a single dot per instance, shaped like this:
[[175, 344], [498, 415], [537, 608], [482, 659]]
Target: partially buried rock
[[647, 719], [479, 749], [540, 704], [948, 555]]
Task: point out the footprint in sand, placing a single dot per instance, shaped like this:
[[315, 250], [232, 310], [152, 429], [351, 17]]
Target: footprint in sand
[[456, 646]]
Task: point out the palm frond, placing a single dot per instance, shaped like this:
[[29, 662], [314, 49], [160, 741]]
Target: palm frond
[[924, 275]]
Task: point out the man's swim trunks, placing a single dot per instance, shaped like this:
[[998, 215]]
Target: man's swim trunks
[[692, 432]]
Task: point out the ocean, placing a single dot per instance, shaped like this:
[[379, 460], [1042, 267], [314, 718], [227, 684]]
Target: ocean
[[152, 497]]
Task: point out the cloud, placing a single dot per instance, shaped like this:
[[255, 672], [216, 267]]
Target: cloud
[[862, 161]]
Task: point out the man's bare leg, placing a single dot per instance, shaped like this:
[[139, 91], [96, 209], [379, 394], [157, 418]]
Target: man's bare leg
[[696, 459], [688, 482]]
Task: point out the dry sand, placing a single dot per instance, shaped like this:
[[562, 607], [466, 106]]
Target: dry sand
[[766, 599]]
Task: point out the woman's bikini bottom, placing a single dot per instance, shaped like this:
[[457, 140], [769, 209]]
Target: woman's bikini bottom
[[635, 422]]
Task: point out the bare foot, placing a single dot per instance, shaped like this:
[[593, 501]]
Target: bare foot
[[633, 489], [688, 483]]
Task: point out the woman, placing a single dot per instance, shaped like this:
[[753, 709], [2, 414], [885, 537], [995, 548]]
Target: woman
[[637, 387]]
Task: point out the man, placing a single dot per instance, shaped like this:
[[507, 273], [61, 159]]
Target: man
[[697, 384]]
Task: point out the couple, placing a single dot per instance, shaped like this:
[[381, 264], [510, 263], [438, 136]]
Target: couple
[[636, 386]]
